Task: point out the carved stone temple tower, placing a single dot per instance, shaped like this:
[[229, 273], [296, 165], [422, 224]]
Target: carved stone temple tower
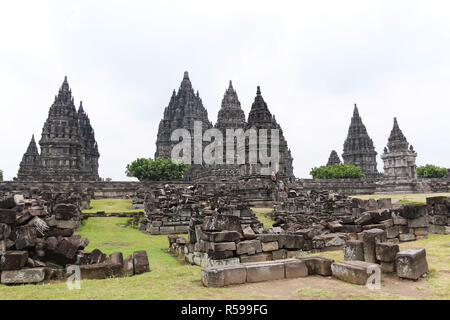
[[358, 147], [333, 159], [261, 118], [31, 162], [399, 157], [185, 107], [69, 151]]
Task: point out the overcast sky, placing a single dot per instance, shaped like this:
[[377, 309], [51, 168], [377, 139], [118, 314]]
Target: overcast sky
[[312, 59]]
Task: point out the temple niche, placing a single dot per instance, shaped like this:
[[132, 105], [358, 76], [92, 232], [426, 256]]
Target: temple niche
[[358, 147], [399, 157], [69, 151]]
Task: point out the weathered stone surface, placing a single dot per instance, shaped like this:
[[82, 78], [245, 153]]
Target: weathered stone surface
[[259, 257], [101, 270], [23, 276], [279, 254], [387, 267], [386, 251], [295, 269], [236, 274], [128, 266], [5, 231], [413, 211], [116, 258], [248, 247], [249, 234], [65, 211], [266, 271], [354, 250], [407, 237], [13, 260], [219, 222], [421, 222], [25, 237], [213, 277], [67, 224], [290, 241], [140, 261], [411, 263], [356, 272], [97, 256], [222, 236], [392, 232], [219, 246], [270, 246], [7, 216], [318, 265], [370, 238]]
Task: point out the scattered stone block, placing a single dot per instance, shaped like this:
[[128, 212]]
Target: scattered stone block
[[356, 272], [270, 246], [267, 271], [295, 269], [411, 263], [279, 254], [318, 265], [407, 237], [259, 257], [13, 260], [140, 261], [101, 270], [23, 276], [354, 250], [370, 238], [249, 247], [386, 251]]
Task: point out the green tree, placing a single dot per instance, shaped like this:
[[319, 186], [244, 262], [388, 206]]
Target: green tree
[[1, 175], [431, 171], [161, 169], [337, 171]]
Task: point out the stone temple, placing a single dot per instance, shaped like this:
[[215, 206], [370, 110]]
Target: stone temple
[[333, 159], [358, 147], [69, 151], [399, 157], [185, 107]]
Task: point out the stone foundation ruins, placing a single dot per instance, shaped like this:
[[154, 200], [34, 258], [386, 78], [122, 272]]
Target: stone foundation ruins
[[37, 241]]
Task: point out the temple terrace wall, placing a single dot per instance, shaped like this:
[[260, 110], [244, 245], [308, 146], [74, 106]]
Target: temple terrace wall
[[127, 189]]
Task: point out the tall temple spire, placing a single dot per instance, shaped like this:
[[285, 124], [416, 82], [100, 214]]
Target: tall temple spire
[[259, 111], [333, 159], [358, 147], [397, 140], [230, 114], [399, 160], [69, 151]]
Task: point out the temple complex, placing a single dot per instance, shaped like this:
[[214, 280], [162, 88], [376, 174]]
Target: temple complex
[[333, 159], [399, 157], [69, 151], [358, 147], [185, 107]]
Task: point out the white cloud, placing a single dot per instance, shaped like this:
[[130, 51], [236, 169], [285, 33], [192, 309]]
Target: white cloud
[[313, 60]]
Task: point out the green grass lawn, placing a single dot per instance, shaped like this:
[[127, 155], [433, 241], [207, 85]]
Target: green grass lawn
[[111, 206], [410, 198], [262, 215], [168, 278], [171, 279]]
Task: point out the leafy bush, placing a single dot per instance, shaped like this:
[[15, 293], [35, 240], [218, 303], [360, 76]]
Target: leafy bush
[[161, 169], [337, 171], [431, 171]]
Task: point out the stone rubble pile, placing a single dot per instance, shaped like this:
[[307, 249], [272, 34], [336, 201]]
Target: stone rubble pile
[[439, 215], [168, 210], [37, 239], [319, 215], [219, 240]]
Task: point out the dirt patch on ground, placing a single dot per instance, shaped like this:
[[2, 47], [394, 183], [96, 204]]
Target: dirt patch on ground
[[328, 288], [114, 244]]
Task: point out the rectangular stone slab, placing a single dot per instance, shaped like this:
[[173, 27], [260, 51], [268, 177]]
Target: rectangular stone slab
[[295, 269], [355, 272], [23, 276], [265, 271]]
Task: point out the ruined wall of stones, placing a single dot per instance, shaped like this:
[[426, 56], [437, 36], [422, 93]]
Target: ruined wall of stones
[[438, 215]]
